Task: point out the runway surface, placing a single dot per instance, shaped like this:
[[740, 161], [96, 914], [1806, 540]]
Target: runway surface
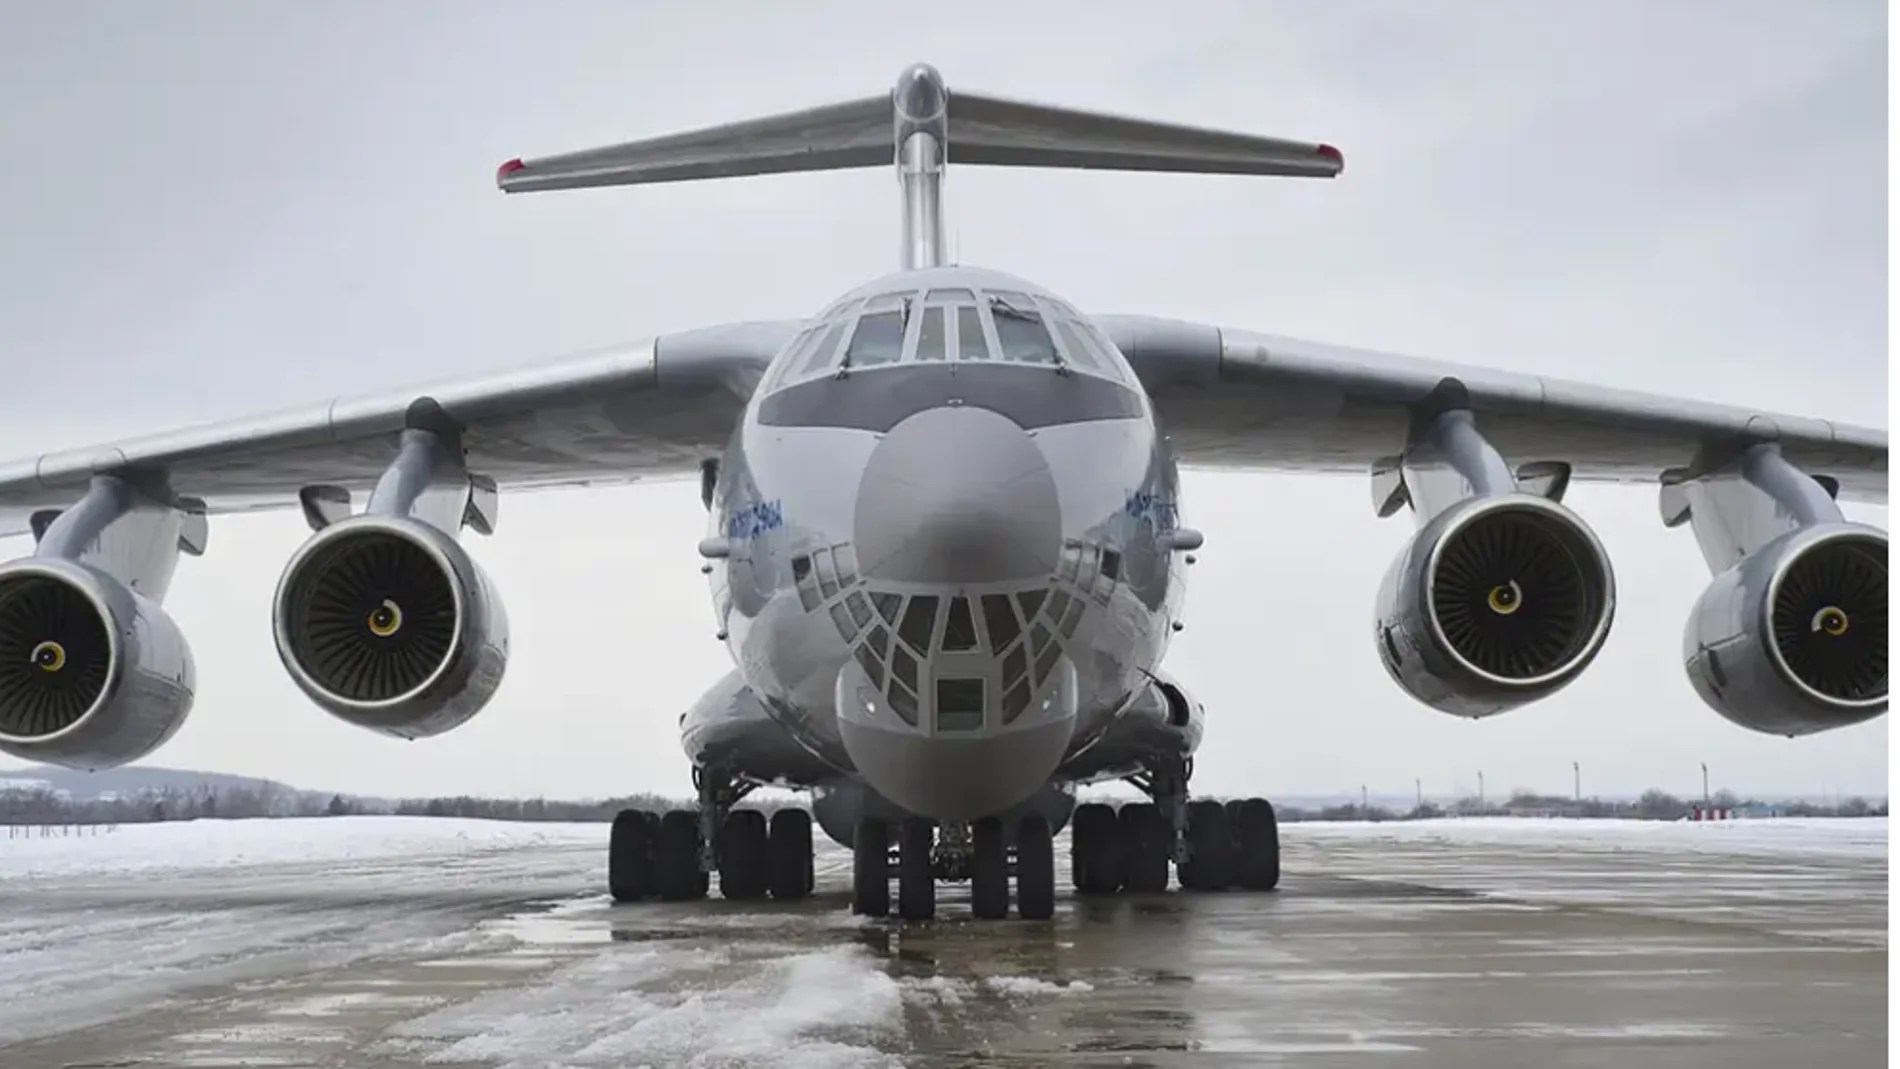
[[373, 942]]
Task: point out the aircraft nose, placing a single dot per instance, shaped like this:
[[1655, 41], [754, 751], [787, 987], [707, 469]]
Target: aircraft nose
[[957, 495]]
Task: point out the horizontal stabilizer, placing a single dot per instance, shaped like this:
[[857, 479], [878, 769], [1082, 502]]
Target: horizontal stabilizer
[[1009, 133], [855, 134], [976, 129]]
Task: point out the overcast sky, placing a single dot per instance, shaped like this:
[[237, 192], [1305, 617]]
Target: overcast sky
[[212, 208]]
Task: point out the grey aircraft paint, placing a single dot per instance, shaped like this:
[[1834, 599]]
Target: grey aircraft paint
[[945, 540], [948, 596]]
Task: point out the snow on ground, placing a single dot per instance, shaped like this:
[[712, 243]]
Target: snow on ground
[[219, 844], [1809, 836], [287, 928], [90, 924], [677, 1006]]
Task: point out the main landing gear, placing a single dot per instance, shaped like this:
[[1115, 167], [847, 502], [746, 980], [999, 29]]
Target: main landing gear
[[672, 855], [981, 852], [1213, 846]]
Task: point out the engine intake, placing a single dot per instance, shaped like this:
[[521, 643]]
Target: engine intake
[[55, 656], [1827, 610], [92, 675], [1793, 639], [1517, 593], [390, 625], [1495, 602]]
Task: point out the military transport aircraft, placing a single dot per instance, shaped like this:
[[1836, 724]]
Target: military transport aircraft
[[946, 541]]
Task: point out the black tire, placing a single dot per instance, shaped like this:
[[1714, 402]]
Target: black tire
[[630, 875], [871, 869], [788, 858], [916, 884], [1035, 870], [676, 857], [989, 870], [1095, 850], [1144, 842], [742, 846], [1257, 846], [1210, 860]]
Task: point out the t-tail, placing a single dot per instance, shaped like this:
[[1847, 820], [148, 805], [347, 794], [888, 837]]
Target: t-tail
[[921, 126]]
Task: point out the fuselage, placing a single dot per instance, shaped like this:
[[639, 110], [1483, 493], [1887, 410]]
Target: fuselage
[[944, 518]]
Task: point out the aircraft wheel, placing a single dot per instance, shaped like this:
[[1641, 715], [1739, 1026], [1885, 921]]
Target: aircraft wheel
[[676, 857], [630, 871], [742, 857], [989, 870], [916, 884], [1210, 848], [1256, 846], [871, 869], [1035, 870], [1144, 842], [1095, 850], [788, 861]]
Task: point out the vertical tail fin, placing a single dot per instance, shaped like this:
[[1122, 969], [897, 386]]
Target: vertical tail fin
[[922, 126]]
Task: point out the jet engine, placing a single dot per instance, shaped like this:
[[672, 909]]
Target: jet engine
[[1793, 639], [92, 674], [387, 623], [1497, 601]]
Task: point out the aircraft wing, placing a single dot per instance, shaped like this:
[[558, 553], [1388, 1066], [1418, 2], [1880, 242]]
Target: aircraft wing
[[650, 409], [1248, 401]]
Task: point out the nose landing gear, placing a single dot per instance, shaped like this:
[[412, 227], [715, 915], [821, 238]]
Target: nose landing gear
[[981, 853]]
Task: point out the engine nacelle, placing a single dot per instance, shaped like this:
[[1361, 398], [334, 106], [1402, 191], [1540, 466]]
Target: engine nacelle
[[92, 674], [388, 623], [1497, 601], [1793, 639]]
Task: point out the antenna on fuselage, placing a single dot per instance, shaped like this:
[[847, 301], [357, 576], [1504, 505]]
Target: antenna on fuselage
[[924, 126]]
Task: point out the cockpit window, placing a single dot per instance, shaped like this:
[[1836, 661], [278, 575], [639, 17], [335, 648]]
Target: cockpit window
[[1075, 343], [1110, 355], [1019, 330], [879, 338], [971, 344], [1085, 344], [943, 324], [824, 343], [933, 333]]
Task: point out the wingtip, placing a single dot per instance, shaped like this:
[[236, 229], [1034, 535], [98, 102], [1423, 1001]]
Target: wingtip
[[506, 169], [1329, 152]]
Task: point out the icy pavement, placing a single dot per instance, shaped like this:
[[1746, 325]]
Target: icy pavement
[[369, 942]]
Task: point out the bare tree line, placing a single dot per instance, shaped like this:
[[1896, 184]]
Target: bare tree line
[[36, 805], [1653, 804]]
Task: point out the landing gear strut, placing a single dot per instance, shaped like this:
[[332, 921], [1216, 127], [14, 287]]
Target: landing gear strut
[[1213, 846], [673, 855]]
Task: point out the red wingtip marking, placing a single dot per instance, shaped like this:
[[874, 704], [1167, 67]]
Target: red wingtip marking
[[1333, 154], [507, 169]]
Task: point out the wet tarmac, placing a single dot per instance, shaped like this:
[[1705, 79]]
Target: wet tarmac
[[1467, 945]]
